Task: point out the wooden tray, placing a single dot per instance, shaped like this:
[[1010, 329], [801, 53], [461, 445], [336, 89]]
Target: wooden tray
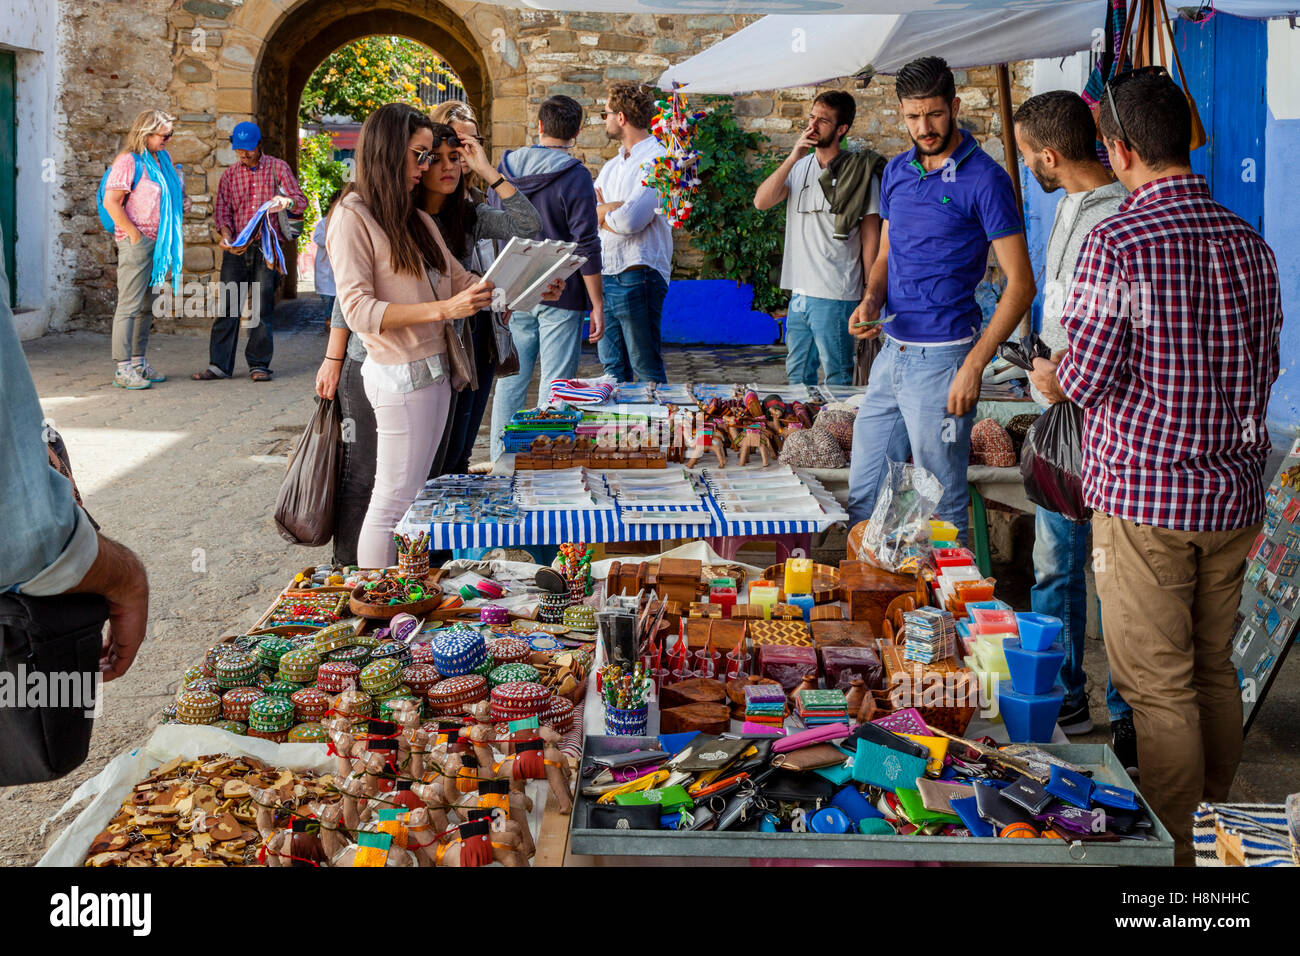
[[826, 582]]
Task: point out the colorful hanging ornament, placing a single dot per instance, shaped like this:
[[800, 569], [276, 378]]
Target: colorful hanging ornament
[[673, 175]]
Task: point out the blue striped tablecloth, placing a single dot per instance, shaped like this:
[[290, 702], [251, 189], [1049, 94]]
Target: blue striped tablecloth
[[559, 527]]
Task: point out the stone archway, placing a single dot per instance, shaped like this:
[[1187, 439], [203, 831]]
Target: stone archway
[[266, 53]]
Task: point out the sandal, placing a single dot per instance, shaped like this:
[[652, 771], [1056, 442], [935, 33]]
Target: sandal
[[207, 375], [261, 375]]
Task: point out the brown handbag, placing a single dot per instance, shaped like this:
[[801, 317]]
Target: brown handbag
[[460, 350], [1143, 14]]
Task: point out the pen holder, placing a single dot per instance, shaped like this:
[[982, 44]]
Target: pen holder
[[626, 723], [551, 608], [414, 565]]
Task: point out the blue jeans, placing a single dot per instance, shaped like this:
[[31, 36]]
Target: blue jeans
[[632, 347], [1060, 559], [817, 333], [906, 409], [554, 335]]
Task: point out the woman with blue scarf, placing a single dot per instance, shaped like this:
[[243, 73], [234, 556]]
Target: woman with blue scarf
[[144, 197]]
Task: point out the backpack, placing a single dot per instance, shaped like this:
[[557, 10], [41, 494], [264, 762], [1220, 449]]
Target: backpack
[[104, 217]]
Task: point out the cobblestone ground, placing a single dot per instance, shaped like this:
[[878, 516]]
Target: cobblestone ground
[[186, 474]]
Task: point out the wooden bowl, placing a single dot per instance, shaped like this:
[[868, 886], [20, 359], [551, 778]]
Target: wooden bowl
[[384, 612]]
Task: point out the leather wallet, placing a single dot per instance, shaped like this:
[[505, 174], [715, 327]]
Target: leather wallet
[[938, 795], [885, 767], [937, 748], [807, 737], [667, 799], [875, 734], [1117, 798], [1074, 821], [752, 764], [841, 773], [794, 787], [915, 810], [1028, 793], [609, 816], [969, 814], [708, 752], [997, 810], [810, 758], [1070, 787]]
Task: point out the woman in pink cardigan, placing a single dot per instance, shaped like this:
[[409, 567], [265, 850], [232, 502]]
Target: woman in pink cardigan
[[398, 286]]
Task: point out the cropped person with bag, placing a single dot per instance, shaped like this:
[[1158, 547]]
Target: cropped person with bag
[[401, 290], [60, 580], [469, 224], [1173, 320]]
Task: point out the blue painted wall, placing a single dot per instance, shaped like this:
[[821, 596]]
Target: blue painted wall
[[1282, 213]]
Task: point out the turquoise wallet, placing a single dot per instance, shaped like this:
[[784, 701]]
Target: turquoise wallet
[[885, 768]]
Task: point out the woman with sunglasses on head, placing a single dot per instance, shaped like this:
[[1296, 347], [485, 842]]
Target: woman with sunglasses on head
[[469, 224], [399, 287], [144, 196]]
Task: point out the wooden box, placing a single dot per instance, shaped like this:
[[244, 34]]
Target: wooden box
[[679, 580], [702, 609], [791, 633], [726, 634], [867, 590], [946, 694], [832, 633]]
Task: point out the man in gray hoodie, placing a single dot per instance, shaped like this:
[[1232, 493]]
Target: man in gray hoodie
[[561, 188], [1057, 135]]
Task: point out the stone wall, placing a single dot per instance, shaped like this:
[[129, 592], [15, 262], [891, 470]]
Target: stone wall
[[214, 63]]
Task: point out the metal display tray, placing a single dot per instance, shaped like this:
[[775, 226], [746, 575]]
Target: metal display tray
[[1100, 759]]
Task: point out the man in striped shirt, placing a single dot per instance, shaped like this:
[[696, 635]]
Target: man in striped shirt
[[255, 179], [1173, 320]]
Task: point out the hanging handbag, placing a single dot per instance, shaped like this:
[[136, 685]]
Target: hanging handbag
[[304, 509], [59, 638], [503, 347], [1144, 14], [461, 369]]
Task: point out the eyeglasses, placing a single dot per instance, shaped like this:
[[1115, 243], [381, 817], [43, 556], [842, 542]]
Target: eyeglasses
[[1119, 78], [165, 136], [425, 157]]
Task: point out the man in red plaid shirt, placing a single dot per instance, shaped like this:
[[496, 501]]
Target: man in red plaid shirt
[[244, 187], [1173, 323]]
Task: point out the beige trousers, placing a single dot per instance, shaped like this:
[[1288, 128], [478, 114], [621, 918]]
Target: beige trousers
[[1168, 600]]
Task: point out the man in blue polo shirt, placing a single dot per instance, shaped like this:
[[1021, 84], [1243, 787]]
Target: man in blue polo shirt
[[943, 203]]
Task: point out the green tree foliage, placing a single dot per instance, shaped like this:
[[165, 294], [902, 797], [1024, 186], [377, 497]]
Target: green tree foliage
[[367, 73], [738, 241], [320, 175]]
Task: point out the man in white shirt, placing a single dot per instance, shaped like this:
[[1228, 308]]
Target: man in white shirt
[[832, 234], [636, 244]]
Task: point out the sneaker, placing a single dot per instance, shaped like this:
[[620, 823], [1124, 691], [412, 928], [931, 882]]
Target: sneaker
[[130, 378], [1075, 720], [151, 373], [1124, 741]]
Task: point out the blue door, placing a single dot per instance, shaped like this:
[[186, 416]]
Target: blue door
[[1224, 59]]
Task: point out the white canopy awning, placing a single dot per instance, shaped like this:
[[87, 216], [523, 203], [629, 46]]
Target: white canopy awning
[[784, 51], [803, 8]]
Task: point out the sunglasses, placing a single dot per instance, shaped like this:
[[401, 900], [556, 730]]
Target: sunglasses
[[1120, 78], [165, 136], [425, 157]]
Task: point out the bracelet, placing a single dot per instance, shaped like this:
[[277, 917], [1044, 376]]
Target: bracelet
[[497, 183], [330, 358]]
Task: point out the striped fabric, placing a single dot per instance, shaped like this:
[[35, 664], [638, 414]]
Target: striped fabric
[[558, 527], [1261, 827], [260, 226], [581, 392]]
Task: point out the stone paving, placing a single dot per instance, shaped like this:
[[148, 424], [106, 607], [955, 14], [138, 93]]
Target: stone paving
[[186, 474]]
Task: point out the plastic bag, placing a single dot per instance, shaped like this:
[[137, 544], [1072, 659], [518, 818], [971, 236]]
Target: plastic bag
[[304, 510], [1051, 456], [897, 537], [1051, 461]]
